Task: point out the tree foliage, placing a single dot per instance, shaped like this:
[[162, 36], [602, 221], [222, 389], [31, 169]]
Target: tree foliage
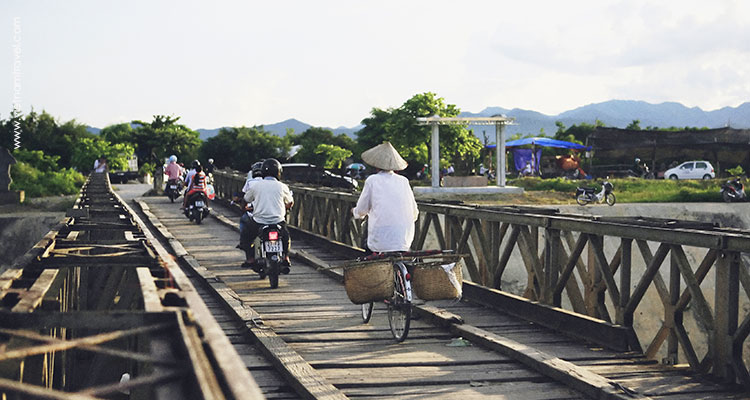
[[458, 146], [576, 133], [87, 150], [43, 132], [239, 148], [312, 138], [38, 174], [156, 140], [334, 155]]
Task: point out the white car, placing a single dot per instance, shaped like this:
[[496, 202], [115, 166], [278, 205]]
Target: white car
[[691, 170]]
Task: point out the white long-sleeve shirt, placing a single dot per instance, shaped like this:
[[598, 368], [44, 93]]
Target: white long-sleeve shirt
[[388, 201]]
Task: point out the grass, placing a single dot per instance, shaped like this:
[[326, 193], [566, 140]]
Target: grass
[[634, 190]]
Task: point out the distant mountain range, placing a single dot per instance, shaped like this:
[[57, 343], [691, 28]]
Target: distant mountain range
[[614, 113]]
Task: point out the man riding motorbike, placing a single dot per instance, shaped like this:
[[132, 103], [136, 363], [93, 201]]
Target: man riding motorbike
[[270, 199]]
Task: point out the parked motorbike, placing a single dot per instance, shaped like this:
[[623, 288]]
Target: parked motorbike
[[271, 260], [586, 195], [173, 190], [197, 207], [733, 190]]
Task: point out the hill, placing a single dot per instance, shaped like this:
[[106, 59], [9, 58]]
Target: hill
[[619, 114], [614, 113]]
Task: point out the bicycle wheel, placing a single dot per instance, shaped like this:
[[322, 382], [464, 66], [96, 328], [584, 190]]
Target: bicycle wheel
[[399, 308], [366, 312]]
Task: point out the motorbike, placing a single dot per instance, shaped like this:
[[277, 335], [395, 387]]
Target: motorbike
[[173, 190], [271, 260], [733, 190], [197, 207], [643, 172], [586, 195]]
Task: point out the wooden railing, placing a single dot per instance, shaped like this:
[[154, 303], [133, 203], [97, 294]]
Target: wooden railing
[[585, 265]]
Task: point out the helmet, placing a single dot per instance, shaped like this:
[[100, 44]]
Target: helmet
[[256, 169], [173, 158], [271, 167], [637, 159], [195, 164], [210, 160]]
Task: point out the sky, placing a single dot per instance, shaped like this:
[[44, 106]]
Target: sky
[[329, 63]]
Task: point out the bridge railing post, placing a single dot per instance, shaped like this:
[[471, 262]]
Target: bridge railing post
[[726, 315]]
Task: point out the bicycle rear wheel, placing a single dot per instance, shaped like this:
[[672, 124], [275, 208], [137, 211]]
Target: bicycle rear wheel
[[399, 308], [366, 312]]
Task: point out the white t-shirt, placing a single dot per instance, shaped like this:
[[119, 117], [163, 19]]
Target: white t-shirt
[[388, 201], [269, 198], [249, 182], [100, 166], [189, 177]]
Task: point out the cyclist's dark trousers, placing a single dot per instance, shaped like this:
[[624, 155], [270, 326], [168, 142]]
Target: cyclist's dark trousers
[[251, 230]]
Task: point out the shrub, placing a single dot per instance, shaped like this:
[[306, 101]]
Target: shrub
[[736, 171], [634, 190], [39, 175]]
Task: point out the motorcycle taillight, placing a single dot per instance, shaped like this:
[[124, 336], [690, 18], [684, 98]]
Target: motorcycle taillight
[[273, 235]]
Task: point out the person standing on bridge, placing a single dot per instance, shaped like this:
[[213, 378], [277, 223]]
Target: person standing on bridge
[[388, 201]]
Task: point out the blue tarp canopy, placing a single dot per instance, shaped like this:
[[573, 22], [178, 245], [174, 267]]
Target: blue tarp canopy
[[543, 142]]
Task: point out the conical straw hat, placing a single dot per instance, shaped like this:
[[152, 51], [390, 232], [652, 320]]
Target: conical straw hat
[[385, 157]]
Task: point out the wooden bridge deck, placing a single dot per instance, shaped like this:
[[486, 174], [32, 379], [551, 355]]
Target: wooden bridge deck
[[311, 313]]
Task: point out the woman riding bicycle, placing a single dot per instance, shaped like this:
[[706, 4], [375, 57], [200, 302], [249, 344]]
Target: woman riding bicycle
[[388, 202]]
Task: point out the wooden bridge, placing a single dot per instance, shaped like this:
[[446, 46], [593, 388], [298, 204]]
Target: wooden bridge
[[135, 288]]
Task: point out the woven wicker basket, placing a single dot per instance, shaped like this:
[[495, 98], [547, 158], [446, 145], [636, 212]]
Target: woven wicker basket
[[369, 281], [431, 281]]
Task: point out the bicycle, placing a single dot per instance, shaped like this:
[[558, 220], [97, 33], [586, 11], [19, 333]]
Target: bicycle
[[399, 304]]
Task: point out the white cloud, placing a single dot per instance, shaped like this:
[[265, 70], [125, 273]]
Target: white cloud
[[329, 62]]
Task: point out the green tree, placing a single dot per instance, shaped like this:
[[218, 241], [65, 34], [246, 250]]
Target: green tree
[[43, 132], [635, 125], [458, 146], [334, 155], [576, 133], [312, 138], [156, 140], [89, 149], [38, 174], [118, 133], [239, 148]]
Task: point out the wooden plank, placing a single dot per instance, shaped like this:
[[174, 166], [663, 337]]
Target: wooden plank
[[597, 331], [151, 300], [33, 391], [33, 297], [427, 375], [516, 390], [241, 384], [572, 375]]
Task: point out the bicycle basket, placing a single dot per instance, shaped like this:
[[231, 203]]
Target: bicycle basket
[[440, 280], [367, 282]]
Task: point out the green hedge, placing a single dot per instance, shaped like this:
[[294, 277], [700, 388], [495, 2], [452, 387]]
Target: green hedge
[[39, 175], [634, 190]]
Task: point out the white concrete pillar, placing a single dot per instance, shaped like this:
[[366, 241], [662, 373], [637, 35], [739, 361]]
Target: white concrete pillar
[[500, 154], [435, 153]]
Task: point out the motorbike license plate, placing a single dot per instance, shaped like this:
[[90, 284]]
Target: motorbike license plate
[[199, 203], [273, 247], [173, 187]]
